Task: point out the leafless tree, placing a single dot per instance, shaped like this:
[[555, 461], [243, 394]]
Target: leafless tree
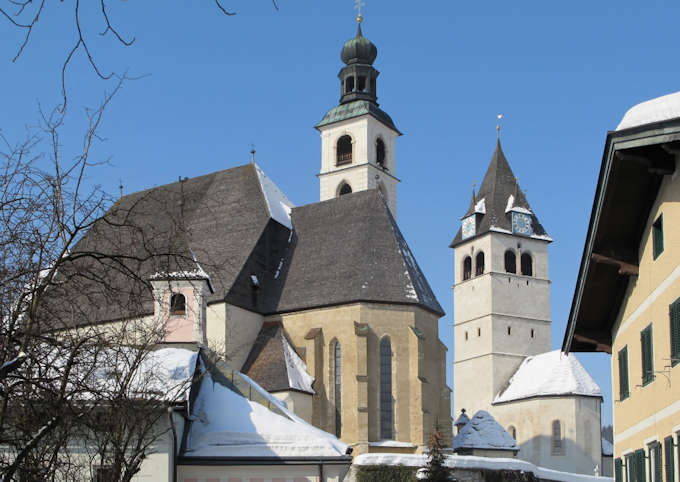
[[70, 257], [24, 15]]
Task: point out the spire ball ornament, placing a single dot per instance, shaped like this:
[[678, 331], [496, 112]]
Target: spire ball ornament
[[358, 5]]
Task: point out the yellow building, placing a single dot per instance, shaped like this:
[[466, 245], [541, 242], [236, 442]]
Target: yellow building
[[627, 297]]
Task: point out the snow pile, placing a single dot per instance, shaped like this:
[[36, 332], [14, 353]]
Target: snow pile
[[277, 202], [607, 448], [510, 206], [227, 424], [654, 110], [551, 373], [471, 462], [483, 432], [298, 378]]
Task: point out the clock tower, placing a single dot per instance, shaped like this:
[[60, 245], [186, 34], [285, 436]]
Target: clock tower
[[501, 292]]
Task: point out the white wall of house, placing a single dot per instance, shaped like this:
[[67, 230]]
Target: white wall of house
[[262, 473]]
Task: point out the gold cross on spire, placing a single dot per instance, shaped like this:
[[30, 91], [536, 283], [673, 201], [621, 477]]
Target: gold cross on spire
[[358, 4], [498, 126]]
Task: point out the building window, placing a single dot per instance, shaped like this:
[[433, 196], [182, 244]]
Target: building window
[[623, 373], [178, 304], [533, 333], [467, 268], [344, 151], [349, 85], [380, 152], [466, 336], [386, 407], [509, 330], [647, 355], [557, 443], [337, 386], [655, 462], [510, 262], [670, 463], [512, 431], [657, 236], [674, 314], [479, 332], [479, 263], [526, 264], [344, 189]]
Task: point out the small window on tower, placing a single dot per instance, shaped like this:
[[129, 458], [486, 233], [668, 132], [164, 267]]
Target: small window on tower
[[349, 85], [510, 262], [479, 263], [361, 85], [509, 330], [177, 304], [467, 268], [345, 189], [526, 262], [344, 151], [533, 333], [479, 332], [380, 153]]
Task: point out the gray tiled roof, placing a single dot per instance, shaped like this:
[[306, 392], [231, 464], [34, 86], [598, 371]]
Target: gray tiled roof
[[498, 185], [350, 249]]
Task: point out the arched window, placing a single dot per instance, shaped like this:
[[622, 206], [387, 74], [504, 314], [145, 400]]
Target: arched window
[[361, 85], [344, 151], [510, 262], [380, 152], [344, 189], [177, 304], [479, 263], [336, 364], [526, 262], [557, 445], [512, 431], [349, 85], [386, 407], [467, 268]]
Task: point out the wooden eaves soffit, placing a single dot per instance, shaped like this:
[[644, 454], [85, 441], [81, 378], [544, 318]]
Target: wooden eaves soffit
[[633, 166]]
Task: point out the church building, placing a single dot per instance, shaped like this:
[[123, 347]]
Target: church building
[[323, 305], [502, 359]]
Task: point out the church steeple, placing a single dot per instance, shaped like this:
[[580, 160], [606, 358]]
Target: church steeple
[[357, 137]]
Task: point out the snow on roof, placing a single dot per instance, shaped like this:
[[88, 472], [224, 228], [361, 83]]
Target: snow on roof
[[298, 377], [550, 373], [480, 207], [472, 462], [483, 432], [654, 110], [391, 444], [227, 424], [277, 202], [607, 448]]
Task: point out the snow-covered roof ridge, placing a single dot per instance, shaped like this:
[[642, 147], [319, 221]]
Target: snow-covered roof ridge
[[658, 109], [278, 204], [483, 432], [549, 374]]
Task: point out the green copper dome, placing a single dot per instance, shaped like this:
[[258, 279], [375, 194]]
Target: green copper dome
[[359, 50]]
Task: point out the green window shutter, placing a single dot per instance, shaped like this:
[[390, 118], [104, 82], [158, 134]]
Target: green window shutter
[[631, 471], [623, 373], [647, 355], [657, 462], [618, 470], [675, 332], [657, 236], [640, 465], [670, 466]]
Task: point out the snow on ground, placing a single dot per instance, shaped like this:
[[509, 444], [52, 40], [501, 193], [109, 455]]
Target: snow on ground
[[655, 110], [227, 424], [277, 202], [483, 432], [298, 377], [471, 462], [551, 373], [391, 444]]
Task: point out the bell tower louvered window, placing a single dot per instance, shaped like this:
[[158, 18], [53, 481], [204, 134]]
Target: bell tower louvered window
[[510, 262], [467, 267]]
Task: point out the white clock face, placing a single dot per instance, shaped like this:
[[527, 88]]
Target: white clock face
[[521, 224], [468, 228]]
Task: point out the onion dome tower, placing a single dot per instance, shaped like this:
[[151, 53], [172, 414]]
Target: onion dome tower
[[357, 137]]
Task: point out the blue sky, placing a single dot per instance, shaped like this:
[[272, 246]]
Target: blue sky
[[561, 74]]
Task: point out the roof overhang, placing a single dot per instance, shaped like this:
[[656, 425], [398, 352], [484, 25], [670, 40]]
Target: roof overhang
[[634, 163]]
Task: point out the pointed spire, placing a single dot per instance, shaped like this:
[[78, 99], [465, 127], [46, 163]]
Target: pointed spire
[[471, 209]]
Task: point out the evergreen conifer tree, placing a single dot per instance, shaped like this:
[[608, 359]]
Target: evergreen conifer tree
[[435, 471]]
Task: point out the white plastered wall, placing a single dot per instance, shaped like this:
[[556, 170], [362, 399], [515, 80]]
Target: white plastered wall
[[297, 402]]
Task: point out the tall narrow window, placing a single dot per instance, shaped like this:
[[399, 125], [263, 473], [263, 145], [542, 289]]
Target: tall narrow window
[[344, 151], [674, 314], [345, 189], [623, 373], [557, 445], [177, 304], [386, 406], [467, 268], [647, 355], [380, 152], [657, 236], [479, 263], [510, 262], [526, 264], [670, 465], [655, 469], [337, 393]]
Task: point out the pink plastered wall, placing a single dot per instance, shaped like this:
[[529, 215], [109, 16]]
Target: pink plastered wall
[[180, 328]]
